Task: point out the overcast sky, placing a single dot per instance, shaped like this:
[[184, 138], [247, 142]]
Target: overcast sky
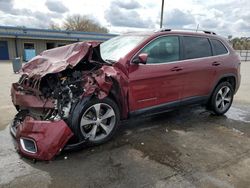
[[226, 17]]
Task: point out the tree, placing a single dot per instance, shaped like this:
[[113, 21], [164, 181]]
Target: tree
[[242, 43], [78, 22], [55, 26]]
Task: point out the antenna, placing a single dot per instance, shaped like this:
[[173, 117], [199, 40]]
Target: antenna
[[197, 27]]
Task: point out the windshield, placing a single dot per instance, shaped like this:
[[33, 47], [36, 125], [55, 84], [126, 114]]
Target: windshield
[[118, 47]]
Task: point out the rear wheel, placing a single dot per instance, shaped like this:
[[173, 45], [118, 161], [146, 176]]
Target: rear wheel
[[222, 98]]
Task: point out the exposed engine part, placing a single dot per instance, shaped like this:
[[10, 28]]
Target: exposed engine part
[[63, 102], [19, 117], [64, 88]]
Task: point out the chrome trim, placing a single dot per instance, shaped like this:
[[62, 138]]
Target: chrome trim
[[23, 145], [188, 30], [184, 60], [149, 99], [13, 132]]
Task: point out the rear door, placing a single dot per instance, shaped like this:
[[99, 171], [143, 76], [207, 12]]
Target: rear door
[[198, 67], [159, 81], [222, 61]]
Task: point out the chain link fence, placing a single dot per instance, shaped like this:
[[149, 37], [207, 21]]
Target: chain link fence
[[244, 55]]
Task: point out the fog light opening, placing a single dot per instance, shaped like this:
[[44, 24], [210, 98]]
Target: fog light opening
[[28, 145]]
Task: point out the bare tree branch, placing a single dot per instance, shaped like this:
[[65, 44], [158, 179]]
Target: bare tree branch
[[82, 23]]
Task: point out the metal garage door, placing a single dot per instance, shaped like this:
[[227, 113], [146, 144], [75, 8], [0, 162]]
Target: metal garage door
[[4, 53]]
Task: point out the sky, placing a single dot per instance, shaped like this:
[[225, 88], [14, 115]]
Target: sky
[[225, 17]]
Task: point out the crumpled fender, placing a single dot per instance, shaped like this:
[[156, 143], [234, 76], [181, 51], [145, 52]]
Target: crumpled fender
[[101, 83], [49, 136], [97, 83], [121, 90]]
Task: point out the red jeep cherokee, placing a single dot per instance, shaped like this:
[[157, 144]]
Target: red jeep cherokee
[[79, 93]]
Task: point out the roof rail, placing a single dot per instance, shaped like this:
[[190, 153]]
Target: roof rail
[[210, 32], [194, 30], [163, 30]]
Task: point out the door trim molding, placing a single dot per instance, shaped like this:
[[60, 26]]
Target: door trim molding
[[161, 108]]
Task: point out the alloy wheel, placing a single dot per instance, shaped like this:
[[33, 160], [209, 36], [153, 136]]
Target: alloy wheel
[[223, 98], [97, 122]]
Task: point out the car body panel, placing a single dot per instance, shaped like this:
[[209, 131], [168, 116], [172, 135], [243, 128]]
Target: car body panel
[[58, 59], [49, 137], [198, 75], [20, 98], [151, 85]]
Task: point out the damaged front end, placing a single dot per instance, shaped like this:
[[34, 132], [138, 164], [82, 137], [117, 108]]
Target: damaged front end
[[50, 87]]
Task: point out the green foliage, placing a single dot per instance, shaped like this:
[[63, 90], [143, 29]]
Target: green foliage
[[242, 43]]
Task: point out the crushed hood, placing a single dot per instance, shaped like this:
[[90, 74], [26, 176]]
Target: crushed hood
[[58, 59]]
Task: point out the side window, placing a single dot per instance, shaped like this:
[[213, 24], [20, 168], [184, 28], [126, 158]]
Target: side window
[[196, 47], [219, 48], [162, 50]]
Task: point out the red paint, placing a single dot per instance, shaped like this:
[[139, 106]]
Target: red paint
[[152, 85], [49, 136], [19, 98], [139, 85], [155, 84], [58, 59]]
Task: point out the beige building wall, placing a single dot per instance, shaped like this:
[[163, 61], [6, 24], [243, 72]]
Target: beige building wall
[[39, 44]]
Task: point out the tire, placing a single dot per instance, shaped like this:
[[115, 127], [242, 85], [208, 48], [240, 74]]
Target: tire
[[97, 129], [222, 98]]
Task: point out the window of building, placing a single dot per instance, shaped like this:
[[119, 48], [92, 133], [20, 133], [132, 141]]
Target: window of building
[[50, 45], [219, 48], [162, 50], [29, 45], [196, 47], [59, 45]]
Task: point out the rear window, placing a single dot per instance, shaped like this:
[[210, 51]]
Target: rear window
[[196, 47], [218, 47]]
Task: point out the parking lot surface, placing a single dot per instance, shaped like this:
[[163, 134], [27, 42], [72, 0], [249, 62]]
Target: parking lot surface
[[188, 147]]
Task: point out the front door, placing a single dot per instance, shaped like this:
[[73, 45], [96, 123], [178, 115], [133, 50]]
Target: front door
[[159, 81], [4, 53]]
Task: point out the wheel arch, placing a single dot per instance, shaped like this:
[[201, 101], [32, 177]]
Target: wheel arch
[[231, 78]]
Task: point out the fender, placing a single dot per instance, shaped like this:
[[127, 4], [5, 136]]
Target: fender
[[222, 77]]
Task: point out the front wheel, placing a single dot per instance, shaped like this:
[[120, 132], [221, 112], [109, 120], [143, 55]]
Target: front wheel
[[97, 121], [222, 98]]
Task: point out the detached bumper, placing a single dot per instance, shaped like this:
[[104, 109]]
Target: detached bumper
[[42, 140]]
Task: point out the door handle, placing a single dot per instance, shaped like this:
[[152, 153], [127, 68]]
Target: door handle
[[216, 63], [176, 69]]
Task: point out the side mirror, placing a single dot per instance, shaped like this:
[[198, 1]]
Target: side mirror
[[142, 58]]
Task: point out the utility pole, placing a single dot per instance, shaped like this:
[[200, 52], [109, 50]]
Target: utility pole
[[162, 7]]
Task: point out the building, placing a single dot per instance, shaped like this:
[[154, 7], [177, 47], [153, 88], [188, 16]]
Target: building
[[28, 42]]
